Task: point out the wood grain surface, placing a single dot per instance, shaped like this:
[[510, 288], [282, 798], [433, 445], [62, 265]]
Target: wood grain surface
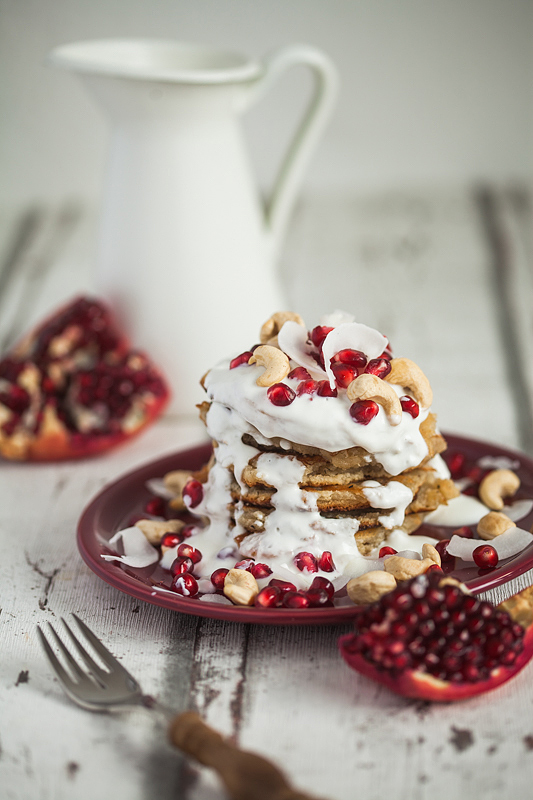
[[447, 276]]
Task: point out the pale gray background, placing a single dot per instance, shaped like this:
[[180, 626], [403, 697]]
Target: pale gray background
[[433, 91]]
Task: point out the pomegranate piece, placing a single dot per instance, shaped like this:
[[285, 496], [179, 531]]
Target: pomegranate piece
[[181, 565], [344, 374], [318, 335], [306, 387], [260, 571], [269, 597], [387, 551], [353, 358], [410, 405], [380, 367], [156, 507], [193, 493], [241, 359], [188, 530], [363, 411], [280, 394], [465, 531], [317, 597], [171, 539], [188, 551], [246, 563], [306, 562], [325, 390], [186, 584], [442, 549], [218, 577], [322, 583], [429, 639], [485, 556], [73, 387], [283, 586], [326, 563], [295, 600], [456, 462], [299, 374]]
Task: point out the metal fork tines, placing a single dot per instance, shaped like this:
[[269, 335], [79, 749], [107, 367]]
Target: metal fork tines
[[89, 685]]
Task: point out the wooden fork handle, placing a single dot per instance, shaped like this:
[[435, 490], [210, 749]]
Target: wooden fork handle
[[246, 776]]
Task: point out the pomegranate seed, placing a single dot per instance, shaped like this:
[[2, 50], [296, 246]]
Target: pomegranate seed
[[363, 411], [344, 374], [326, 563], [306, 562], [442, 549], [306, 387], [246, 564], [269, 597], [188, 530], [243, 358], [380, 367], [171, 539], [299, 374], [485, 556], [387, 551], [410, 405], [456, 463], [156, 507], [325, 390], [295, 600], [322, 583], [181, 565], [280, 394], [318, 335], [464, 531], [317, 597], [193, 492], [190, 552], [218, 577], [260, 571], [434, 568], [185, 584], [283, 586], [353, 358]]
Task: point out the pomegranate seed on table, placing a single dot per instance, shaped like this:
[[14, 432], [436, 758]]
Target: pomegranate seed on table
[[344, 374], [410, 406], [363, 411], [306, 562], [280, 394], [326, 563], [325, 390], [380, 367], [485, 556], [243, 358]]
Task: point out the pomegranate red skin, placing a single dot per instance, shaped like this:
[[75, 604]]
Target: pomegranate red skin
[[426, 687]]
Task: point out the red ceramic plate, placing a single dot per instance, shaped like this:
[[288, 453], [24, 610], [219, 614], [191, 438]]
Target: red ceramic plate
[[112, 508]]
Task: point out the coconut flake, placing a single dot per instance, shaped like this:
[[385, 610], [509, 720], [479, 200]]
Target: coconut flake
[[138, 552], [336, 318], [292, 339], [518, 510], [219, 599], [507, 544], [498, 462], [353, 336]]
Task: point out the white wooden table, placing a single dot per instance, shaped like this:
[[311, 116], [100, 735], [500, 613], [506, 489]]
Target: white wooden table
[[446, 275]]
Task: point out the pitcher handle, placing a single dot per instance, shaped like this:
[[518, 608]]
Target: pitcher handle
[[304, 141]]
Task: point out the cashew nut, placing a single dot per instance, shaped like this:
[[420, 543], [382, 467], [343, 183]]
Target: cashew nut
[[276, 364], [428, 551], [493, 524], [241, 587], [406, 373], [405, 568], [496, 485], [271, 328], [154, 529], [370, 387], [370, 587]]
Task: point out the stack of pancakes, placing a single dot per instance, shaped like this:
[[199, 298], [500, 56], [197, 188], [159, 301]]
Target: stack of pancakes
[[334, 484]]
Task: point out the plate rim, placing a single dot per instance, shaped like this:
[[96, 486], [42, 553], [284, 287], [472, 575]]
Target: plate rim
[[113, 574]]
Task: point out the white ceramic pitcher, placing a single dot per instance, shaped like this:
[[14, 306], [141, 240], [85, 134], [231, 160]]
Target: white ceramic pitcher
[[187, 251]]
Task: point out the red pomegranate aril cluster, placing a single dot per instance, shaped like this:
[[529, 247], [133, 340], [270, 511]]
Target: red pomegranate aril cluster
[[280, 394], [363, 411], [410, 406], [241, 359], [428, 627], [283, 594]]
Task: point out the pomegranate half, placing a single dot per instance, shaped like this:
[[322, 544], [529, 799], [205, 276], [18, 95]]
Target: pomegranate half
[[73, 387], [430, 639]]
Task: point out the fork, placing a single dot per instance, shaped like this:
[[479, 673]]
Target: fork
[[246, 776]]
